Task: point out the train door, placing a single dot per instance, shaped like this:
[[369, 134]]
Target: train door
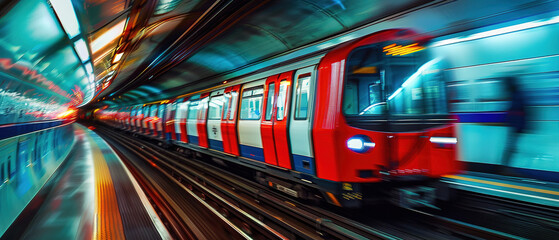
[[137, 112], [139, 118], [202, 120], [180, 120], [229, 123], [159, 120], [132, 118], [7, 157], [300, 127], [125, 112], [281, 121], [116, 117], [144, 118], [215, 112], [192, 119], [169, 127], [127, 118], [154, 113], [37, 161], [267, 123], [23, 183], [275, 122], [47, 143], [250, 139]]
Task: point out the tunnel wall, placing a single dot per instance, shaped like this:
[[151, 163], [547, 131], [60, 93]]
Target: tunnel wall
[[27, 161], [479, 70]]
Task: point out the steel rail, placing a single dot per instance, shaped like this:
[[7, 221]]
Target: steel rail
[[298, 218], [204, 193], [289, 214]]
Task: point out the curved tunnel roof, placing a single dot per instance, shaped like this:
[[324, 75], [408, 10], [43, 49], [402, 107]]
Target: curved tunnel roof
[[188, 46], [128, 52]]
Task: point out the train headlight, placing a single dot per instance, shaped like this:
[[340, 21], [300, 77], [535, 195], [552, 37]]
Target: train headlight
[[360, 143]]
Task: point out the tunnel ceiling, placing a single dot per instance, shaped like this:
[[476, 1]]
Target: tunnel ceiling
[[183, 46], [142, 51]]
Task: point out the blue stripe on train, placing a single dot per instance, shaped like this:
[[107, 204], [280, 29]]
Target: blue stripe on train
[[168, 136], [303, 164], [216, 144], [193, 139], [482, 117], [252, 152], [12, 130], [178, 136]]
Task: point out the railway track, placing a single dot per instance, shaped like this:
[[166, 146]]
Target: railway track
[[264, 214], [243, 203], [184, 215]]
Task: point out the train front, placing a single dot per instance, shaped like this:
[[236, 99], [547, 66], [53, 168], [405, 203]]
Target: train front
[[386, 131]]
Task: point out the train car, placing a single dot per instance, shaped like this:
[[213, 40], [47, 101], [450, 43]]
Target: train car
[[367, 120]]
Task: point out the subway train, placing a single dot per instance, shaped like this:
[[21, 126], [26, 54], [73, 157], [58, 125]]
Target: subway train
[[367, 120], [339, 153]]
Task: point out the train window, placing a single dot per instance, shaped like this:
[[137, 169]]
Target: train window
[[193, 109], [282, 97], [416, 87], [144, 112], [153, 112], [379, 82], [226, 100], [251, 103], [270, 101], [216, 107], [363, 85], [302, 98], [234, 101], [10, 172], [161, 110]]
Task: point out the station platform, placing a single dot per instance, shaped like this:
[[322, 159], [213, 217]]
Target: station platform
[[517, 188], [94, 197]]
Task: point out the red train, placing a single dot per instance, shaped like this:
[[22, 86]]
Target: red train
[[366, 120]]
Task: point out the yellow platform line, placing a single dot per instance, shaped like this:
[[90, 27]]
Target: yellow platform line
[[108, 224], [503, 184]]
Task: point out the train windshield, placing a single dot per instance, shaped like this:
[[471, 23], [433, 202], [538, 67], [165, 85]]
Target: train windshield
[[393, 79]]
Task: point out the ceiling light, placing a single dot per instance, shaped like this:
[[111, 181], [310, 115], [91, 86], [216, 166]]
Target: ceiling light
[[499, 31], [65, 12], [107, 37], [117, 57], [89, 68], [81, 49]]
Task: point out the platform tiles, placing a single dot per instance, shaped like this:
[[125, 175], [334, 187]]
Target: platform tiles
[[521, 189], [96, 198]]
